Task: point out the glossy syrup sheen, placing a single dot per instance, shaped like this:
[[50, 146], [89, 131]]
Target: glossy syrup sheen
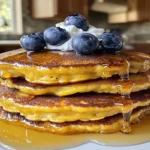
[[53, 59], [49, 67], [17, 137]]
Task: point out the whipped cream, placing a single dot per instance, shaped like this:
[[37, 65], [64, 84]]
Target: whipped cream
[[73, 31]]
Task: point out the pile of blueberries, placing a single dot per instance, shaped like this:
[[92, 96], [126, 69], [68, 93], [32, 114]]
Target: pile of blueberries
[[84, 43]]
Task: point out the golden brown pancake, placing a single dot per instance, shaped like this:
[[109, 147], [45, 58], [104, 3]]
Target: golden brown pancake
[[54, 67], [137, 82], [85, 107], [107, 125]]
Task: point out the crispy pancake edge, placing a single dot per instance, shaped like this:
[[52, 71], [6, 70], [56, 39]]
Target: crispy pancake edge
[[108, 125]]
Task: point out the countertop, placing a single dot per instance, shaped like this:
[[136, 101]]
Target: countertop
[[7, 45], [9, 42]]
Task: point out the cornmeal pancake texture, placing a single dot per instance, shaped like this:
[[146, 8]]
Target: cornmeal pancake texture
[[85, 107], [44, 91], [54, 67], [137, 82], [107, 125]]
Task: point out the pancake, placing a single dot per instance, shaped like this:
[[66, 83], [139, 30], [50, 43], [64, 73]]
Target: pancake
[[85, 107], [107, 125], [54, 67], [136, 83]]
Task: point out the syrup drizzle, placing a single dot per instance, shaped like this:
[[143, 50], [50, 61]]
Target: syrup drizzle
[[126, 125], [126, 116]]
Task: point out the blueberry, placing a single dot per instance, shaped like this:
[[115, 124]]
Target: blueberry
[[40, 34], [85, 43], [110, 42], [32, 42], [77, 20], [56, 35]]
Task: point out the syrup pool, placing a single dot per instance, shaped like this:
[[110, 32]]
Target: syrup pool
[[17, 137]]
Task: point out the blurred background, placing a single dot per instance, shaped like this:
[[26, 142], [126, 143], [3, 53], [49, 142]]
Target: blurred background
[[129, 18]]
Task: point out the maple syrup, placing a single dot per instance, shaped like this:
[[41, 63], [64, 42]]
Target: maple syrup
[[126, 125], [14, 136], [17, 137]]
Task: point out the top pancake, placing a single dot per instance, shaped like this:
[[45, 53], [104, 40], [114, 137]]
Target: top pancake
[[54, 67]]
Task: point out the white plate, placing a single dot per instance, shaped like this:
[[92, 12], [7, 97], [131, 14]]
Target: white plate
[[93, 146]]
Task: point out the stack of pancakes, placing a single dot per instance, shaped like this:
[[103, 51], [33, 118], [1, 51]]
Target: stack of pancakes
[[66, 93]]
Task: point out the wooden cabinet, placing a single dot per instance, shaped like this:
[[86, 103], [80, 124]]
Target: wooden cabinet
[[55, 9], [147, 10], [138, 11]]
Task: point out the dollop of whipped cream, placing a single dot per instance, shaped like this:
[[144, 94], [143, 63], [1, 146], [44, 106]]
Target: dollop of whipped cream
[[73, 31]]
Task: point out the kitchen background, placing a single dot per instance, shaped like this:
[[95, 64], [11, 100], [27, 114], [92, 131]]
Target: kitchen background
[[130, 18]]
